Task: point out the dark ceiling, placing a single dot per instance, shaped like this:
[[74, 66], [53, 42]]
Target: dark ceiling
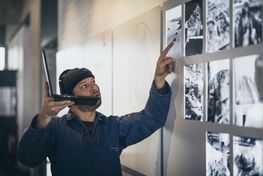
[[10, 11]]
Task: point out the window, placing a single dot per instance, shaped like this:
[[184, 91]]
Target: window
[[2, 58]]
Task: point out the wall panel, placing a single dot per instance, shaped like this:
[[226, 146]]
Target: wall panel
[[135, 52]]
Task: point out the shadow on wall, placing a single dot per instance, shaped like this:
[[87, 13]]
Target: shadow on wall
[[170, 122]]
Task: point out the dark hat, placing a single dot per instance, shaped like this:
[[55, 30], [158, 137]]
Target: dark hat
[[69, 78]]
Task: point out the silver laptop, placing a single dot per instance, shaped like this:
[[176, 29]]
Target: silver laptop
[[78, 100]]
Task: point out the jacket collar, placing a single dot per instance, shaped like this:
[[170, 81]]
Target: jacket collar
[[98, 118]]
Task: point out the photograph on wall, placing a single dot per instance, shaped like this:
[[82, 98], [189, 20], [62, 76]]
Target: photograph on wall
[[247, 156], [217, 154], [248, 91], [218, 75], [193, 27], [174, 31], [193, 89], [247, 21], [217, 25]]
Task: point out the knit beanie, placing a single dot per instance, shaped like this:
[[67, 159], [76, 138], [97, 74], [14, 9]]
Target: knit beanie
[[69, 78]]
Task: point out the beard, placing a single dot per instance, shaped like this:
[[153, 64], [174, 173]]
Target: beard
[[85, 108]]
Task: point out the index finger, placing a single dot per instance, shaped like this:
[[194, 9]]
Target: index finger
[[166, 50], [61, 103]]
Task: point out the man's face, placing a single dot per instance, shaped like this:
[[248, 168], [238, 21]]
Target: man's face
[[88, 87]]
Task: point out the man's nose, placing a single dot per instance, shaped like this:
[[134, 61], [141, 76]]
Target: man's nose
[[94, 88]]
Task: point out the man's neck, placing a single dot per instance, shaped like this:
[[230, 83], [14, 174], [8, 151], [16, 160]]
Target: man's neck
[[88, 116]]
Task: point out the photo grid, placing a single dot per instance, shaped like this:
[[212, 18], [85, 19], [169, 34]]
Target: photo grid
[[214, 78]]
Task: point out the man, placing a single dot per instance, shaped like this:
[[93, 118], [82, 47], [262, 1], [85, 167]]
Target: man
[[84, 142]]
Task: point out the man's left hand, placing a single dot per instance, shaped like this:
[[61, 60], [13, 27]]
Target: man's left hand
[[165, 66]]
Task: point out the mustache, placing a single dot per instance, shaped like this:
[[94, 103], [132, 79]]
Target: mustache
[[96, 94], [96, 91]]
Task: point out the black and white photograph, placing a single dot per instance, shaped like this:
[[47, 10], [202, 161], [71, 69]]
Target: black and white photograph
[[217, 154], [217, 25], [247, 22], [193, 89], [248, 91], [193, 27], [174, 31], [218, 74], [247, 156]]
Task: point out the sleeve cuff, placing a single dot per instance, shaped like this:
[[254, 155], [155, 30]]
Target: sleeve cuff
[[34, 121], [164, 90]]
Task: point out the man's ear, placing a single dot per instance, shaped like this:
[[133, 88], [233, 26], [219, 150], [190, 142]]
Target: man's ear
[[61, 81]]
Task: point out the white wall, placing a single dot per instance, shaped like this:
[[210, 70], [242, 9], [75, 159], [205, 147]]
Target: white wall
[[96, 55], [80, 19], [135, 53]]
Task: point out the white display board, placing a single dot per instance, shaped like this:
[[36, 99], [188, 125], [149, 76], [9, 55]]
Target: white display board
[[135, 53]]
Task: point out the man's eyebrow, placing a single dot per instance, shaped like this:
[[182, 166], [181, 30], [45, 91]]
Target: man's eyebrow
[[81, 82]]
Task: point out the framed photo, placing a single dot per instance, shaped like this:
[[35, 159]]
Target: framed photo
[[173, 31], [248, 92], [247, 22], [193, 27], [247, 156], [217, 25], [193, 91], [218, 110], [217, 154]]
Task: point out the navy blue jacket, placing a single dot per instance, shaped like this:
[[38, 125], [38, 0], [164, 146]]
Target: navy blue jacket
[[74, 150]]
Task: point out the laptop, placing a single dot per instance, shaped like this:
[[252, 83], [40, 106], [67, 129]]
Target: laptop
[[78, 100]]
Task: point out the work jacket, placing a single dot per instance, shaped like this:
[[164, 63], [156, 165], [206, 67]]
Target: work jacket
[[77, 150]]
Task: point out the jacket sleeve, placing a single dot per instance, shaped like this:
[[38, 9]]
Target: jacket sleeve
[[35, 144], [137, 126]]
